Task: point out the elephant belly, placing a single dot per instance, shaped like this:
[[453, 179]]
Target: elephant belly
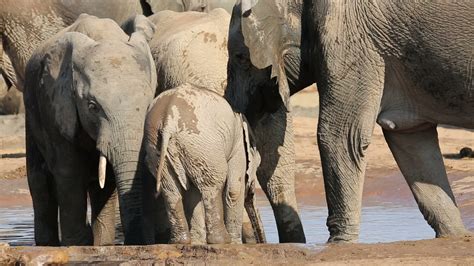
[[406, 106]]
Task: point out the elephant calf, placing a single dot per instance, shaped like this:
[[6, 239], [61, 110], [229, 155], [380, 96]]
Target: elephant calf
[[188, 144]]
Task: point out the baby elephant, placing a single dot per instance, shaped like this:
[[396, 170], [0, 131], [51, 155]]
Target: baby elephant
[[193, 138]]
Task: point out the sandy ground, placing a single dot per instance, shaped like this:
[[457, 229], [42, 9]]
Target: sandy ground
[[383, 183]]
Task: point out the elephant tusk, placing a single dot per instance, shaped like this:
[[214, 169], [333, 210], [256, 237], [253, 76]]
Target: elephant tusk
[[102, 167]]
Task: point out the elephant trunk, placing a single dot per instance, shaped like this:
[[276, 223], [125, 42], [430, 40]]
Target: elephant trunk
[[125, 157]]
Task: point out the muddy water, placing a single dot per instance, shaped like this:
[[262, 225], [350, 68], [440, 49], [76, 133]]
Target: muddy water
[[384, 223]]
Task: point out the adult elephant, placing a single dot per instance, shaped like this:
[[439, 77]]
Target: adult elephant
[[373, 62], [25, 24], [86, 94]]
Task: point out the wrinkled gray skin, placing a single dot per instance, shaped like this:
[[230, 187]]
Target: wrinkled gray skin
[[11, 100], [190, 47], [25, 24], [189, 5], [375, 62], [86, 93], [255, 93], [185, 148]]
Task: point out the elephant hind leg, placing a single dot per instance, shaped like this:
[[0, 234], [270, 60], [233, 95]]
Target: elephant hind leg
[[45, 204], [420, 160], [173, 197], [235, 193], [216, 232]]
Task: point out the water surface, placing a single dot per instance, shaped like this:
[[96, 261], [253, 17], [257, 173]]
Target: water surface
[[385, 223]]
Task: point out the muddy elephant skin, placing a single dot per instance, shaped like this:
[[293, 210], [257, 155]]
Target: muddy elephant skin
[[184, 149]]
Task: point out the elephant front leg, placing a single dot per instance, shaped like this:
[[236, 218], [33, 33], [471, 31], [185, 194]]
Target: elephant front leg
[[276, 173], [45, 205], [72, 198], [350, 96], [103, 204], [420, 160]]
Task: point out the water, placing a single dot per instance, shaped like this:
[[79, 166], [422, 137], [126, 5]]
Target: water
[[384, 223], [16, 226]]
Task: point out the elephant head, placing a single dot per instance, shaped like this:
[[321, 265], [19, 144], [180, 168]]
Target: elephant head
[[96, 94], [264, 66]]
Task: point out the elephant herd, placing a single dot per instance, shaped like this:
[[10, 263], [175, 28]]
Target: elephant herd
[[176, 116]]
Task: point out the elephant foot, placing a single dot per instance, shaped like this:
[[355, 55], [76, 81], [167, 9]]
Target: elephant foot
[[339, 233], [290, 228], [248, 235], [342, 240], [182, 239], [454, 232], [218, 238]]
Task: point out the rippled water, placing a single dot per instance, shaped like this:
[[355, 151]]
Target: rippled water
[[385, 223], [379, 224], [16, 226]]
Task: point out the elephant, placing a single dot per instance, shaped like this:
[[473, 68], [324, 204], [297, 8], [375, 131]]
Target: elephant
[[189, 5], [190, 47], [25, 24], [374, 62], [254, 92], [185, 148], [86, 93]]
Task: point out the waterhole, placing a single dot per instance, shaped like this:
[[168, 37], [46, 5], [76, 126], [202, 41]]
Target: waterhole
[[385, 223]]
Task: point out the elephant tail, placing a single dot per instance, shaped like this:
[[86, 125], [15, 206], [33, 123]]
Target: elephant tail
[[165, 139]]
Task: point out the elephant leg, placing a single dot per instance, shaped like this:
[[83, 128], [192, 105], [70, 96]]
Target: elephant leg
[[104, 203], [350, 97], [235, 194], [45, 205], [172, 195], [195, 215], [420, 160], [72, 198], [276, 173], [216, 232]]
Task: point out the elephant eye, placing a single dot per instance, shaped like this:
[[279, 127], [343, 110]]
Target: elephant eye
[[92, 106], [243, 60]]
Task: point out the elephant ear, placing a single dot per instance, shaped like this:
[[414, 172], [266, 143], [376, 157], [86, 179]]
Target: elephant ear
[[140, 24], [263, 28], [139, 41], [50, 74]]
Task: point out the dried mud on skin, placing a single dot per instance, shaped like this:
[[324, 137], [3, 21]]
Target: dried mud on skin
[[437, 252]]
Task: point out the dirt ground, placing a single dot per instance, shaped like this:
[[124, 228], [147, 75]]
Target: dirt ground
[[383, 183]]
